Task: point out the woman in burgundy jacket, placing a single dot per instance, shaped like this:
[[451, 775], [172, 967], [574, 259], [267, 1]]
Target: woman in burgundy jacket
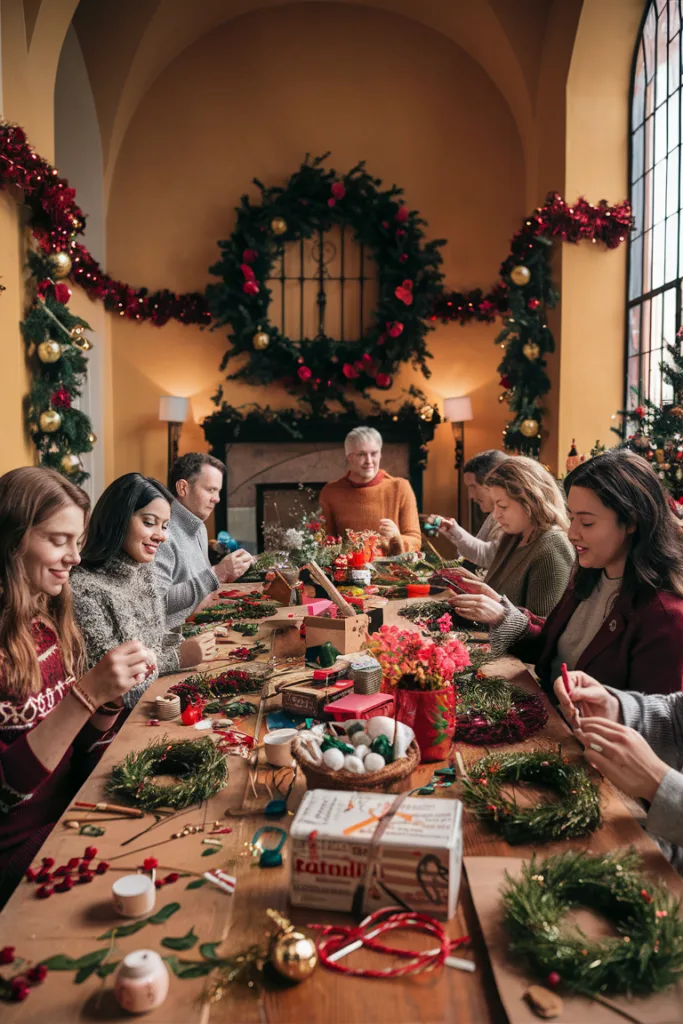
[[621, 617]]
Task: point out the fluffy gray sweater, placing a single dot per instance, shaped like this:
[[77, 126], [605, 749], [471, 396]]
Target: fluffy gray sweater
[[659, 719], [118, 602], [184, 575]]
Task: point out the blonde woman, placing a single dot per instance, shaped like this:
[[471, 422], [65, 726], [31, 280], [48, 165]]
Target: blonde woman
[[534, 561]]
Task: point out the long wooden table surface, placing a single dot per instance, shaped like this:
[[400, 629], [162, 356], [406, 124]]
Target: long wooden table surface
[[69, 923]]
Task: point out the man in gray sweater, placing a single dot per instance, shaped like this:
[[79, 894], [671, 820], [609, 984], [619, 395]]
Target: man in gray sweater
[[185, 577]]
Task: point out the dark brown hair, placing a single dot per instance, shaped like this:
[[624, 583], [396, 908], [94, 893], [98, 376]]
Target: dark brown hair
[[28, 497], [481, 464], [188, 466]]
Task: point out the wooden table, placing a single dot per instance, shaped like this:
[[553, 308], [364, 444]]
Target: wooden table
[[70, 923]]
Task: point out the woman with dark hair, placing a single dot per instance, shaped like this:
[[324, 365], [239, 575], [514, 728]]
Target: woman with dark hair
[[114, 589], [621, 618], [54, 720]]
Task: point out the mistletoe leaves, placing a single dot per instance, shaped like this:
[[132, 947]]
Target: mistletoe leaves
[[182, 942], [161, 916]]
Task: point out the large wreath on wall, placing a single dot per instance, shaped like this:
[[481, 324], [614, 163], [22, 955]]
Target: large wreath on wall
[[312, 202]]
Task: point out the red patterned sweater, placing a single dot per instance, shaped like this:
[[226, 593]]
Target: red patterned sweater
[[32, 798]]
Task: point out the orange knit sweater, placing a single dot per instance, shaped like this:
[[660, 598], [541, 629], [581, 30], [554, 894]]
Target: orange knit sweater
[[360, 508]]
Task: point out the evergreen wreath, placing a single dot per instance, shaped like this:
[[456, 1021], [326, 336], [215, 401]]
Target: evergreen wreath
[[645, 957], [313, 201], [490, 711], [576, 813], [201, 770]]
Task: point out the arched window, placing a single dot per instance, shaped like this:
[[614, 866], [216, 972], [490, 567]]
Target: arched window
[[656, 244]]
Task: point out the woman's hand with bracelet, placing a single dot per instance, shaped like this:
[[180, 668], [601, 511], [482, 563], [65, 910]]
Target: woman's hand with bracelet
[[116, 673]]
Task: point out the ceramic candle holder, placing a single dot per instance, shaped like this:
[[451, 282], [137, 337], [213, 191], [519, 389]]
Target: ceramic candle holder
[[134, 895], [278, 747], [141, 981]]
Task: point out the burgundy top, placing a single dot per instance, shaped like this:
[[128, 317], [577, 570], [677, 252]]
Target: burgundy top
[[32, 798], [638, 647]]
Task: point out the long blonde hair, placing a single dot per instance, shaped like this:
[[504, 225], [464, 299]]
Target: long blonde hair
[[526, 481], [28, 497]]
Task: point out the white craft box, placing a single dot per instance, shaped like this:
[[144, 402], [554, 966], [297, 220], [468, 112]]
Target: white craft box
[[419, 858]]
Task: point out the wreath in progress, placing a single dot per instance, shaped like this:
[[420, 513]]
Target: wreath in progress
[[198, 766], [312, 202]]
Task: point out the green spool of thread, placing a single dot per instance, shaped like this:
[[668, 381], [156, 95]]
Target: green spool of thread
[[381, 745], [328, 655], [332, 741]]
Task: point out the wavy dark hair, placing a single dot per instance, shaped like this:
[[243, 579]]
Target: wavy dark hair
[[625, 483], [112, 514]]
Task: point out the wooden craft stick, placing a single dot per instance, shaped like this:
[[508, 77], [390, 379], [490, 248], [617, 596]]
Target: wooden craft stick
[[330, 589], [461, 764], [128, 812], [617, 1009], [433, 550]]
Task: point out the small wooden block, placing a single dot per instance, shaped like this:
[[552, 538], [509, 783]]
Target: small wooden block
[[543, 1002]]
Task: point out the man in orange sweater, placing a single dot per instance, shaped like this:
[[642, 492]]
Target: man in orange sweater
[[367, 498]]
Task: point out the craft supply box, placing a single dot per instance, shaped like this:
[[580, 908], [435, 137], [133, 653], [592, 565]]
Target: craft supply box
[[346, 634], [309, 699], [419, 858]]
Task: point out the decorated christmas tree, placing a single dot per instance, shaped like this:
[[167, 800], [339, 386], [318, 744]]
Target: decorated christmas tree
[[656, 432]]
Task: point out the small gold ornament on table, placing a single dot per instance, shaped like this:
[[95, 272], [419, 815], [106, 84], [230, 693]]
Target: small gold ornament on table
[[278, 225], [61, 264], [520, 275], [292, 953], [50, 421], [70, 463], [529, 428], [49, 351], [531, 350], [261, 340]]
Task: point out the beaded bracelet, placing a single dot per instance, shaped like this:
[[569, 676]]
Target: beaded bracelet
[[82, 697]]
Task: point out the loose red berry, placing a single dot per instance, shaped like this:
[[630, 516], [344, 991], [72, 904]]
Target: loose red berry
[[61, 871], [84, 868], [149, 863], [64, 885], [19, 989], [37, 974], [44, 876], [6, 954], [84, 879], [646, 896], [554, 979], [73, 863], [90, 852], [158, 884], [102, 867], [30, 875], [48, 862], [44, 891], [173, 877]]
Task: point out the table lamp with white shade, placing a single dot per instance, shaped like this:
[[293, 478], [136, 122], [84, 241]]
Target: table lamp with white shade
[[173, 410], [458, 411]]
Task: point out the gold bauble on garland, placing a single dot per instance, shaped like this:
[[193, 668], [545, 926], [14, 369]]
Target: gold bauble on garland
[[278, 225], [531, 350], [529, 428], [77, 335], [520, 275], [49, 421], [427, 413], [92, 438], [261, 341], [70, 463], [293, 955], [61, 264], [49, 351]]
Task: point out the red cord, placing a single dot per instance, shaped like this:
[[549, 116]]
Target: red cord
[[334, 937]]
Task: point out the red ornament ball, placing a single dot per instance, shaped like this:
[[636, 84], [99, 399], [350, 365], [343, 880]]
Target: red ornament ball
[[338, 190], [60, 399], [554, 979], [250, 288], [62, 293], [383, 380], [304, 373], [533, 304]]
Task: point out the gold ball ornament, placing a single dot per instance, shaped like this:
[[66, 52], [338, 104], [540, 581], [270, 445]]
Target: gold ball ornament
[[61, 264], [293, 955], [520, 275], [49, 351], [70, 463], [77, 335], [278, 225], [529, 428], [531, 350], [261, 341], [49, 421], [92, 438]]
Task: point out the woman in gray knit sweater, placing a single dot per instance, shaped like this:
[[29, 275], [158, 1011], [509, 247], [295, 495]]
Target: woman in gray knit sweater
[[115, 596]]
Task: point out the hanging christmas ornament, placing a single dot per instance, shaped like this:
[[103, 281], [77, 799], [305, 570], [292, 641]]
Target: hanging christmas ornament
[[278, 225], [520, 275], [92, 438], [292, 953], [676, 411], [533, 304], [504, 396], [49, 421], [61, 264], [531, 350], [49, 351], [659, 455], [529, 428], [70, 463], [427, 413], [261, 340]]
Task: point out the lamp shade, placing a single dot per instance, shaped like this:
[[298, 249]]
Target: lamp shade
[[457, 410], [173, 409]]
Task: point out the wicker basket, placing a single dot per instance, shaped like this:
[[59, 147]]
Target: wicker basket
[[393, 778]]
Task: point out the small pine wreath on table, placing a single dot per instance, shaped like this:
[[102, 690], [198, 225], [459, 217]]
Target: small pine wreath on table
[[645, 956], [198, 765], [490, 711], [575, 813]]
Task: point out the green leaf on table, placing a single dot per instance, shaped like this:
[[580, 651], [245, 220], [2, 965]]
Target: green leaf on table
[[163, 915], [104, 970], [197, 883], [208, 951], [121, 930], [60, 962], [181, 942], [84, 972], [188, 968], [210, 850], [89, 959]]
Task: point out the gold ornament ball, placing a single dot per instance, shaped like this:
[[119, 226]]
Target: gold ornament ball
[[92, 438], [520, 275], [49, 351], [70, 463], [529, 428], [61, 264], [427, 413], [531, 350], [261, 341], [49, 421], [293, 955], [278, 225]]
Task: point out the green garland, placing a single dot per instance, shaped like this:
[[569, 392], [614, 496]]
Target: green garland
[[645, 957], [200, 767], [236, 610], [311, 203], [577, 812]]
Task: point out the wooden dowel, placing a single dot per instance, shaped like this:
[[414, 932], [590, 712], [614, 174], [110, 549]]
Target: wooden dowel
[[128, 812]]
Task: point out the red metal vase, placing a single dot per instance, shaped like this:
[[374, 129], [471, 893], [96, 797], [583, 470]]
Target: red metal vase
[[431, 716]]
